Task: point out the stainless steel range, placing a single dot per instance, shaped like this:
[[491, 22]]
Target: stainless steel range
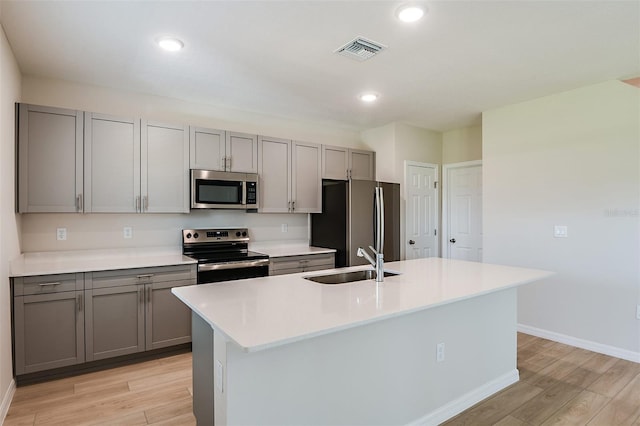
[[223, 254]]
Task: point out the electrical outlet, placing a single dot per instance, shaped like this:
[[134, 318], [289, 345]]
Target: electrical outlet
[[284, 227], [440, 352], [127, 232], [61, 234], [560, 231]]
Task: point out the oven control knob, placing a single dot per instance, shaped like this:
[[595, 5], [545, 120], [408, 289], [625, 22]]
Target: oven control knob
[[188, 235], [195, 235], [237, 233], [244, 233]]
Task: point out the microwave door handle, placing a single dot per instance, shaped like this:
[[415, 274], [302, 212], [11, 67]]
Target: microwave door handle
[[244, 193]]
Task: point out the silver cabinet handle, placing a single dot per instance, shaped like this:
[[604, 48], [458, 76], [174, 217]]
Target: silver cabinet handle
[[137, 204], [229, 164], [293, 206], [148, 295], [49, 284], [144, 276], [145, 203], [223, 163], [79, 302], [79, 202]]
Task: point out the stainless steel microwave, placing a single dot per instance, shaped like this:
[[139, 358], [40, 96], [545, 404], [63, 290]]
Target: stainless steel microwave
[[223, 190]]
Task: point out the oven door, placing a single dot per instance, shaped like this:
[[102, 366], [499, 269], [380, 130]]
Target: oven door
[[228, 271]]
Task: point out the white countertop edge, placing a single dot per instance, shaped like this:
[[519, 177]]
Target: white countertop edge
[[287, 248], [300, 337], [68, 262]]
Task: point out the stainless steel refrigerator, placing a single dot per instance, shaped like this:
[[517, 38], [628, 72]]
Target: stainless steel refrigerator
[[347, 220]]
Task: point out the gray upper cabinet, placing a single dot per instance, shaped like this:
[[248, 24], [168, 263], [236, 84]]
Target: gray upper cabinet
[[306, 177], [290, 176], [164, 180], [242, 152], [274, 172], [212, 149], [112, 164], [207, 149], [48, 318], [345, 163], [50, 168]]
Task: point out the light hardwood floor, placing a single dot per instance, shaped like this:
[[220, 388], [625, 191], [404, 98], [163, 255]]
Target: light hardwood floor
[[560, 385]]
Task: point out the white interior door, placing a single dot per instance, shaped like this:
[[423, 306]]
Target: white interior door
[[421, 213], [462, 237]]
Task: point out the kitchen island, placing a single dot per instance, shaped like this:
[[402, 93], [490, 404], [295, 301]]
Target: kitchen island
[[286, 350]]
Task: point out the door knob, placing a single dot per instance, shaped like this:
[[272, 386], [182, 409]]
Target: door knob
[[453, 240], [412, 242]]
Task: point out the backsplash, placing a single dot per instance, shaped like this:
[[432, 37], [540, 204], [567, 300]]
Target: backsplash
[[98, 231]]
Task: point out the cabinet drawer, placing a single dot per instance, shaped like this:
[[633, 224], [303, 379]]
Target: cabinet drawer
[[44, 284], [104, 279], [302, 263]]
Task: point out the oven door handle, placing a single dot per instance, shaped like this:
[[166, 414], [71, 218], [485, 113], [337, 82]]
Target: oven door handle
[[232, 265]]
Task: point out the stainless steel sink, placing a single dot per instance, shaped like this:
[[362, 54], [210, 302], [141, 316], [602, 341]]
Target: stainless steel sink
[[347, 277]]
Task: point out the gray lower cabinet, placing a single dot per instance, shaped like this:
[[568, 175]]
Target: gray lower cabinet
[[133, 310], [48, 313], [67, 319], [302, 263]]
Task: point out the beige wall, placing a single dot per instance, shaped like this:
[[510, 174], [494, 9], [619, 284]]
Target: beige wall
[[569, 159], [461, 145], [9, 221]]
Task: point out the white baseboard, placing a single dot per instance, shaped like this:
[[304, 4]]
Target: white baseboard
[[6, 400], [467, 400], [580, 343]]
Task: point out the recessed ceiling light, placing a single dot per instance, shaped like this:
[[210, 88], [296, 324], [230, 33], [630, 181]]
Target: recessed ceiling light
[[410, 13], [368, 97], [170, 44]]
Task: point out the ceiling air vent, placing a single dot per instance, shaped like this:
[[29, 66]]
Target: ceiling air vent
[[361, 49]]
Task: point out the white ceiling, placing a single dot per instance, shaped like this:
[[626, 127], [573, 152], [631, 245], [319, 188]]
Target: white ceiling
[[276, 57]]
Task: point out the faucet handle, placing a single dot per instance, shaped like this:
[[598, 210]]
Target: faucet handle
[[374, 251]]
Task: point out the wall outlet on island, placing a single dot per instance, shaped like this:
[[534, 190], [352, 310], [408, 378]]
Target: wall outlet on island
[[440, 352]]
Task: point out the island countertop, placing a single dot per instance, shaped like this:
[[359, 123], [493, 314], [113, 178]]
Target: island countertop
[[260, 313]]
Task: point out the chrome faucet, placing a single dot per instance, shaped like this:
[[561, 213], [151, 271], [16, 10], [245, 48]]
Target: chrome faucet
[[378, 263]]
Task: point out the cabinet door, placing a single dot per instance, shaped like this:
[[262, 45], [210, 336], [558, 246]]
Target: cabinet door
[[362, 164], [274, 172], [165, 168], [50, 160], [49, 331], [114, 321], [335, 162], [242, 153], [207, 149], [168, 320], [306, 179], [111, 164]]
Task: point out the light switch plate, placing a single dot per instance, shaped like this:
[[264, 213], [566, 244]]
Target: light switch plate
[[560, 231], [61, 234], [284, 227], [127, 232]]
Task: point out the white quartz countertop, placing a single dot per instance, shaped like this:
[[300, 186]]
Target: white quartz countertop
[[265, 312], [287, 248], [64, 262]]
